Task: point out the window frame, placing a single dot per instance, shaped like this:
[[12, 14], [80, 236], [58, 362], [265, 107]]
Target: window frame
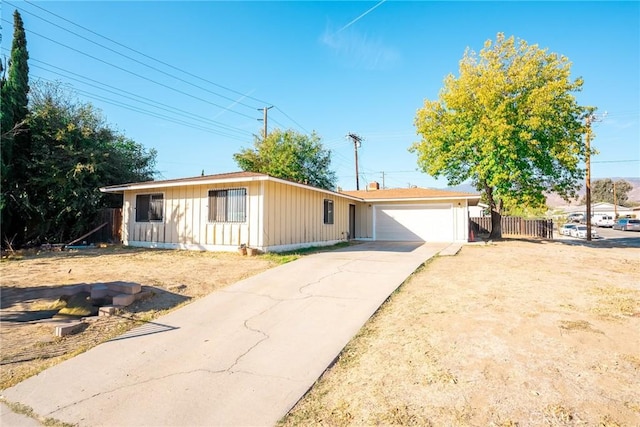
[[328, 211], [213, 206], [150, 214]]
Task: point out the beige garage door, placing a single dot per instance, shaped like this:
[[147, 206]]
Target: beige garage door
[[419, 223]]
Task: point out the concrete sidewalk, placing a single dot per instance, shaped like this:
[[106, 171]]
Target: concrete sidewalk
[[240, 356]]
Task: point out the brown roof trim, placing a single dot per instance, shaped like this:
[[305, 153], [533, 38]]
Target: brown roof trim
[[233, 177], [181, 181], [409, 194], [404, 194], [311, 187]]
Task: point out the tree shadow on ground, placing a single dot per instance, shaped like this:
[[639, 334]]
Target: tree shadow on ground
[[13, 295], [603, 243], [85, 252], [151, 298]]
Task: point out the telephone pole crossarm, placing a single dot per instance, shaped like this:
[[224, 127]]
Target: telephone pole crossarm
[[357, 141], [264, 119]]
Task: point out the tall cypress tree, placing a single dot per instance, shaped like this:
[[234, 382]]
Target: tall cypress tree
[[18, 75], [15, 138]]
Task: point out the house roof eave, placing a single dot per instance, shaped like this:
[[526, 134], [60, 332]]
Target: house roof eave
[[421, 199], [149, 185], [247, 177]]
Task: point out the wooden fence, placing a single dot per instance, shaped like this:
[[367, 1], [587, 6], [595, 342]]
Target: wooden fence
[[112, 232], [515, 226]]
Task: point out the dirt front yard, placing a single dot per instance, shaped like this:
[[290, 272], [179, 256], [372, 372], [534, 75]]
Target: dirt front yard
[[525, 333], [171, 277], [521, 333]]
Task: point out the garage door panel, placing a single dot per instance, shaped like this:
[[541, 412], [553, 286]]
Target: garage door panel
[[396, 225], [414, 223]]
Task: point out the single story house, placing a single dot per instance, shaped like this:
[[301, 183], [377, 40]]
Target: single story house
[[224, 211]]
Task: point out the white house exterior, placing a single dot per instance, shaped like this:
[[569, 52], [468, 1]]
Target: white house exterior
[[480, 210], [222, 212]]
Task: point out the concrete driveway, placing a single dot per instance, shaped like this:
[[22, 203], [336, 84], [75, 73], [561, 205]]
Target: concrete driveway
[[240, 356]]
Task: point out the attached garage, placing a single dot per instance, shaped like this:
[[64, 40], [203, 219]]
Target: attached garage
[[413, 214], [433, 223]]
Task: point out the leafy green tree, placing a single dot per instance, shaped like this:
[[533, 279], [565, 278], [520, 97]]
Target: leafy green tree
[[524, 211], [602, 191], [290, 155], [74, 153], [14, 133], [509, 123]]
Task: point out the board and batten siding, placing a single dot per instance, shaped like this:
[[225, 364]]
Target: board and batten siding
[[278, 217], [364, 220], [185, 223], [294, 217]]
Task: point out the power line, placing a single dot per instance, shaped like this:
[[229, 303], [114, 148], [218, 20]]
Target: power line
[[134, 74], [289, 117], [135, 60], [149, 113], [143, 54], [277, 122], [235, 101], [616, 161], [136, 98]]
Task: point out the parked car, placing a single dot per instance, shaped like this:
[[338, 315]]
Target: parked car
[[627, 224], [580, 231], [603, 220], [565, 230]]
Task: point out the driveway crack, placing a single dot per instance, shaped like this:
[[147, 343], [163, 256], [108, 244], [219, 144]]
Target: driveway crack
[[265, 336], [339, 269], [136, 384]]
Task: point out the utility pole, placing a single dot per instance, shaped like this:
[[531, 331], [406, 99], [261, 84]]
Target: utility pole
[[264, 119], [589, 119], [357, 140], [588, 177], [615, 202], [382, 179]]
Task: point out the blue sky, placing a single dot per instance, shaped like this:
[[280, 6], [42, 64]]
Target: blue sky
[[332, 67]]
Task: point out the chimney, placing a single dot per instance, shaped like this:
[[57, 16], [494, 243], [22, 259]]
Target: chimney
[[374, 186]]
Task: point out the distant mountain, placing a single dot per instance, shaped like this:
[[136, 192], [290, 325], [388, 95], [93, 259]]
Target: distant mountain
[[462, 188], [554, 200]]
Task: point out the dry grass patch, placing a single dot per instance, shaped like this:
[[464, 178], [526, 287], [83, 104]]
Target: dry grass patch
[[558, 415], [27, 411], [502, 335], [615, 302], [578, 325]]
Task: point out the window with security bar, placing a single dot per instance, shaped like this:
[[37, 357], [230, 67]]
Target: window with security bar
[[228, 205]]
